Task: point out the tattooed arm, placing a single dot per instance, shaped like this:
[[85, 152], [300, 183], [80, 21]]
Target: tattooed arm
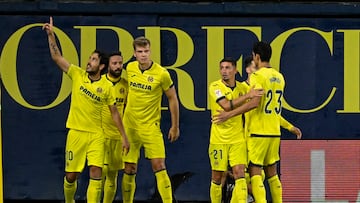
[[54, 49]]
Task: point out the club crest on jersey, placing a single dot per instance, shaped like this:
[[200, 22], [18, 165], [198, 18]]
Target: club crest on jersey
[[99, 90], [150, 79], [218, 93], [122, 90]]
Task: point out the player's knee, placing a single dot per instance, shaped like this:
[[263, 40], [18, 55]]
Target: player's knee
[[95, 172], [130, 168], [217, 177], [239, 171], [270, 171], [254, 169], [71, 176], [158, 165]]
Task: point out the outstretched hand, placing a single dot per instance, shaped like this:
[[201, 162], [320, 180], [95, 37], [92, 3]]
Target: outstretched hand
[[296, 131], [48, 27]]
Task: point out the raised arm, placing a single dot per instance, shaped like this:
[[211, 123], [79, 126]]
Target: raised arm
[[119, 124], [56, 56], [174, 131]]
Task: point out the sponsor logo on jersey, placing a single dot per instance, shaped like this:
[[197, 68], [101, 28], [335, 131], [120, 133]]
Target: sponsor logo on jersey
[[140, 86], [90, 94]]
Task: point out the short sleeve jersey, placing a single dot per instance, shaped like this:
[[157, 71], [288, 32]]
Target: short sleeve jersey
[[265, 119], [143, 108], [232, 130], [87, 100], [119, 91]]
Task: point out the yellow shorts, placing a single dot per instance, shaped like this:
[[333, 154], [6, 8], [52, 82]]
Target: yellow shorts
[[82, 146], [222, 155], [113, 154], [151, 140], [263, 151]]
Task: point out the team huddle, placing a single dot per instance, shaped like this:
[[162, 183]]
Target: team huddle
[[114, 113], [245, 130]]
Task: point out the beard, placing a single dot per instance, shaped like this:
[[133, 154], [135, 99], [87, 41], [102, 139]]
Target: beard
[[91, 72], [115, 73]]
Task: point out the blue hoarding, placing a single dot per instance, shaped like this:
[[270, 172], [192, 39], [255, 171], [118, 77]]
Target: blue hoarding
[[319, 57]]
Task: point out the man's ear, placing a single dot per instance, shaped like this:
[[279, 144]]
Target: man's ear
[[257, 57], [102, 66]]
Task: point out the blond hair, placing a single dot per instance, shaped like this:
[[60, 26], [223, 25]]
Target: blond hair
[[141, 42]]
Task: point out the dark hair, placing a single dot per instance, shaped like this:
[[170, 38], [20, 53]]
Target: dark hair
[[230, 60], [248, 61], [141, 42], [115, 53], [104, 59], [263, 49]]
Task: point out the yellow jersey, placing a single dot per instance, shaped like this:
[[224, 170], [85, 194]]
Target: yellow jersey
[[87, 100], [146, 87], [119, 91], [232, 130], [283, 122], [265, 119], [246, 114]]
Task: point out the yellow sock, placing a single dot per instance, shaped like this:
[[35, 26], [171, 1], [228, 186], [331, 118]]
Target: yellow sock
[[128, 187], [239, 194], [103, 177], [69, 191], [247, 177], [275, 189], [263, 175], [93, 193], [164, 186], [110, 186], [258, 189], [215, 192]]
